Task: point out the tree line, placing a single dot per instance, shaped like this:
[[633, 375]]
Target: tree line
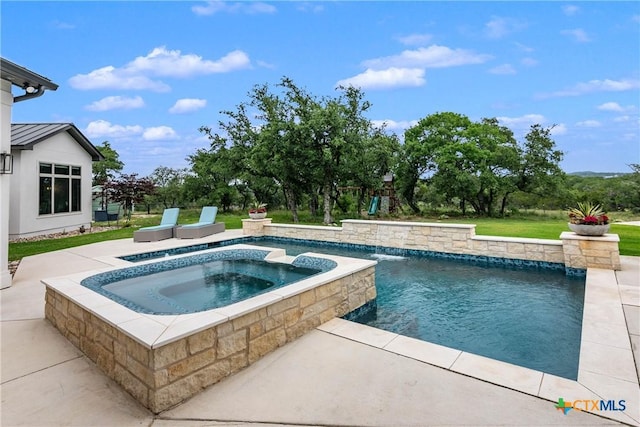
[[288, 148]]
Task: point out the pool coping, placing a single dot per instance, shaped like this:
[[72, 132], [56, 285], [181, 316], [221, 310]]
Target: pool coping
[[156, 330]]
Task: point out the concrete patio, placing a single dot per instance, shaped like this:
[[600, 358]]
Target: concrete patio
[[341, 374]]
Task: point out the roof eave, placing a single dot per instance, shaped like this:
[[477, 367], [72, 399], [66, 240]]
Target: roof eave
[[24, 78], [75, 133], [96, 155]]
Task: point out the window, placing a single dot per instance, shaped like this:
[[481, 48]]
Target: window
[[60, 189]]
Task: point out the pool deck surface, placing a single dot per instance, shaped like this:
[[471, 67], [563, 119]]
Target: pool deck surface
[[340, 374]]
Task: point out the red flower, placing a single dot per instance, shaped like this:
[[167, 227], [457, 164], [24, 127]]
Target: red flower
[[590, 219], [604, 219]]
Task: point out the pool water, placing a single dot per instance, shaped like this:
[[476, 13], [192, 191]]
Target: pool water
[[206, 285], [528, 317]]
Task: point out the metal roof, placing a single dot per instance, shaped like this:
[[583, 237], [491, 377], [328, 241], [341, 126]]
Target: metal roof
[[25, 135], [23, 77]]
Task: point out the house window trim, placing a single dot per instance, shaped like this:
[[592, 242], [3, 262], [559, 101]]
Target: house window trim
[[74, 181]]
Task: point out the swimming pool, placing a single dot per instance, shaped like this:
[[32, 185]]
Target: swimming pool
[[530, 317]]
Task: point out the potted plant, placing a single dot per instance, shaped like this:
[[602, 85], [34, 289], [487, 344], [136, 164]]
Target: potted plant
[[588, 220], [258, 210]]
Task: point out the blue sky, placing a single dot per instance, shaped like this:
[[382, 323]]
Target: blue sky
[[146, 75]]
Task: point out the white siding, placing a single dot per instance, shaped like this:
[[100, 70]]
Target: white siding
[[24, 220]]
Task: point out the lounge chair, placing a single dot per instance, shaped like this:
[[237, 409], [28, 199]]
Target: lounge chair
[[159, 232], [205, 226]]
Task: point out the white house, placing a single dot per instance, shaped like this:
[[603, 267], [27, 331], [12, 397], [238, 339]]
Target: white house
[[53, 161], [33, 85]]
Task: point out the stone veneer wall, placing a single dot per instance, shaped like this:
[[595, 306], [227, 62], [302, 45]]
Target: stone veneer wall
[[577, 252], [591, 252], [449, 238], [162, 377], [254, 227]]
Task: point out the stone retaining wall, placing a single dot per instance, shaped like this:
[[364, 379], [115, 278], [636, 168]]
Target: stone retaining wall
[[599, 252], [161, 377]]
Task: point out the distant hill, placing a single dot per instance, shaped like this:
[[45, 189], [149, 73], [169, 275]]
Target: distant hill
[[589, 174]]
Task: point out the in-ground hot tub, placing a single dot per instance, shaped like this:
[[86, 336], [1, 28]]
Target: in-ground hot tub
[[202, 282], [163, 359]]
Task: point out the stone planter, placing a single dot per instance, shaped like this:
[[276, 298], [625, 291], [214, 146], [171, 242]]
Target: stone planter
[[589, 230], [257, 215]]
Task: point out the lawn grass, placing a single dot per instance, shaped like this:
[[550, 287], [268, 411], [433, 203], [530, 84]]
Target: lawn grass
[[534, 226], [20, 250]]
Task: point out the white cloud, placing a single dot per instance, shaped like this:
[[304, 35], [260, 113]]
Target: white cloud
[[310, 6], [116, 103], [524, 48], [415, 39], [578, 35], [529, 62], [622, 119], [570, 9], [521, 125], [591, 86], [614, 106], [499, 27], [589, 124], [610, 106], [522, 122], [209, 9], [503, 69], [159, 62], [105, 129], [265, 64], [187, 105], [251, 8], [433, 56], [163, 62], [111, 78], [159, 133], [386, 79], [394, 125], [102, 128]]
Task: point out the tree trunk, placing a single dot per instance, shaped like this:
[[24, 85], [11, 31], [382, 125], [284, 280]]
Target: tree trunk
[[326, 197], [414, 207], [292, 204], [490, 203], [313, 205], [342, 204], [361, 195], [504, 204], [408, 192]]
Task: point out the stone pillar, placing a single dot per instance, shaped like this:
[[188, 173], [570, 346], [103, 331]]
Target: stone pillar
[[5, 179], [591, 251], [254, 227]]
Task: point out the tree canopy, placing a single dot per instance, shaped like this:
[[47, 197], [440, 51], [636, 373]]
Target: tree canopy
[[105, 170], [129, 190], [301, 144], [476, 163], [284, 146]]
